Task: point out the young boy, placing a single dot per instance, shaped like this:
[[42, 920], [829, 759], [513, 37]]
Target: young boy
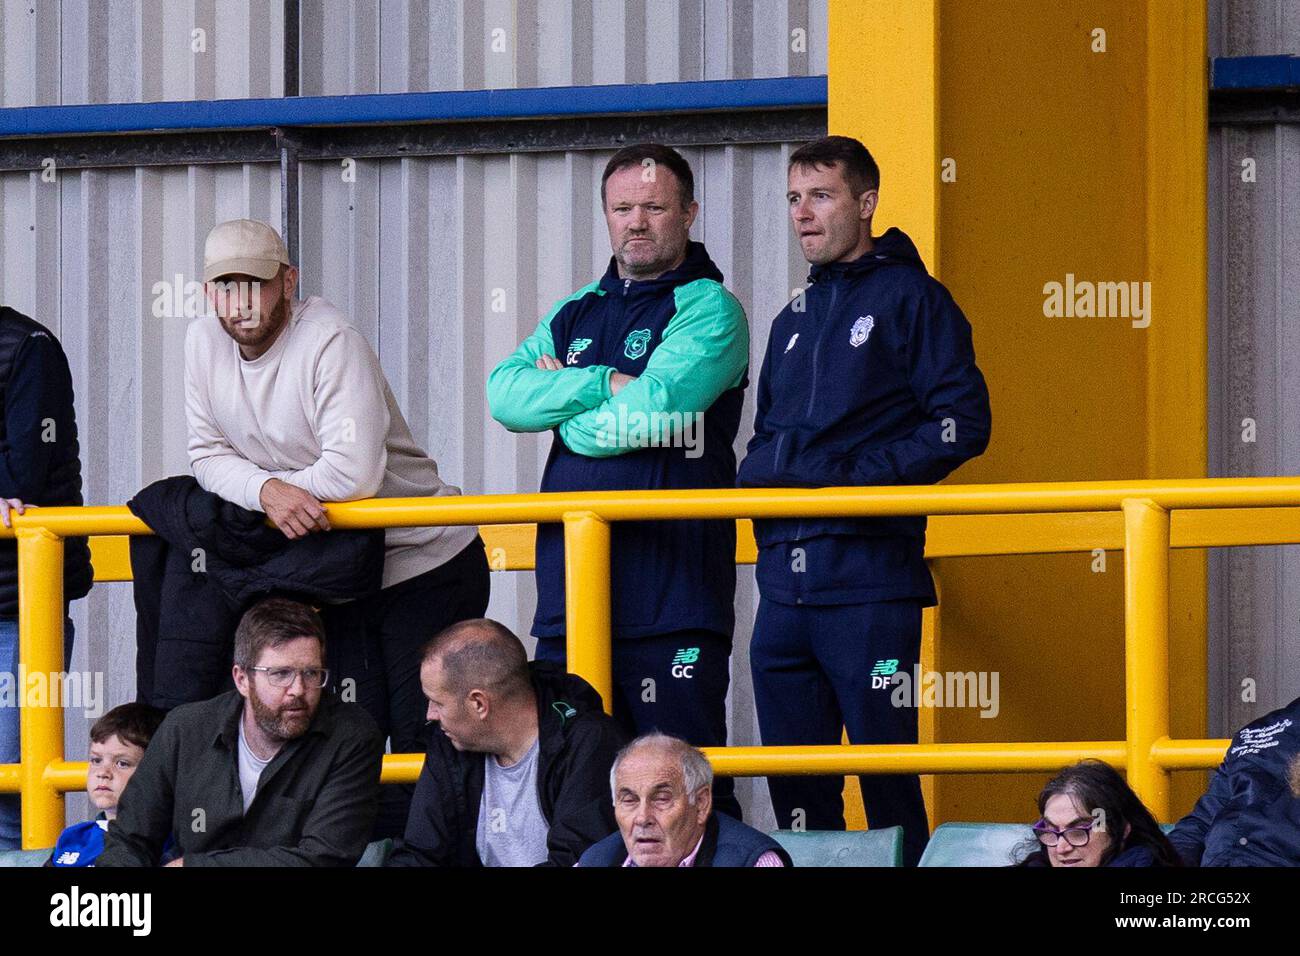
[[117, 742]]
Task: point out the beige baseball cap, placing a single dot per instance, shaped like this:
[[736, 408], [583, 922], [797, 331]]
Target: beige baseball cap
[[243, 246]]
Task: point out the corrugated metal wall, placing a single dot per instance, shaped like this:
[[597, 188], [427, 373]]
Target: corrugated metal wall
[[415, 250], [1254, 365]]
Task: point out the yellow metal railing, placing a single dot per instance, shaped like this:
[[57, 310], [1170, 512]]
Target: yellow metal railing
[[1144, 519]]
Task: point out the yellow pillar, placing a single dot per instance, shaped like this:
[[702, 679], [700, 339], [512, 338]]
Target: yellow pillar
[[40, 655], [1146, 648], [587, 601], [1020, 144], [884, 89]]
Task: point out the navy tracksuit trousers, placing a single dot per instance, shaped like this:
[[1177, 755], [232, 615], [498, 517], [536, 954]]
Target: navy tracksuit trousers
[[812, 668], [674, 683]]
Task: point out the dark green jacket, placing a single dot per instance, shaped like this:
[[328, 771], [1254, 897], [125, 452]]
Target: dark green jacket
[[315, 802]]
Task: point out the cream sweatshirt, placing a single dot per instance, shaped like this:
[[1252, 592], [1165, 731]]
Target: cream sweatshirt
[[315, 411]]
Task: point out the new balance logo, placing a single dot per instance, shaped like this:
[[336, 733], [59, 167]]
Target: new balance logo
[[882, 672], [684, 662], [576, 348]]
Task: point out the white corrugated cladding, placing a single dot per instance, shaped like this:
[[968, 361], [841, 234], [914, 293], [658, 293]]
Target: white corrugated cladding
[[417, 251], [1254, 366]]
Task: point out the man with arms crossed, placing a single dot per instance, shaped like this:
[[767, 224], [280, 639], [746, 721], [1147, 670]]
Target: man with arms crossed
[[626, 371]]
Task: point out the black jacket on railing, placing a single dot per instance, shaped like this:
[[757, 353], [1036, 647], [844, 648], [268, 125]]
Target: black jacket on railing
[[578, 745], [39, 458], [209, 559]]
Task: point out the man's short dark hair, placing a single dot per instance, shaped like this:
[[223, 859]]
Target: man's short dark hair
[[130, 723], [480, 653], [274, 622], [860, 170], [659, 155]]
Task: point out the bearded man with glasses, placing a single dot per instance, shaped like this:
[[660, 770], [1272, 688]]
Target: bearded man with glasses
[[269, 774]]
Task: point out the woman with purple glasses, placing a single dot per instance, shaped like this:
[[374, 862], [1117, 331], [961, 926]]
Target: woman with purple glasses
[[1089, 816]]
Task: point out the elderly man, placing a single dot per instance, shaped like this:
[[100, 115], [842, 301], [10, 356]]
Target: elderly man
[[663, 799], [641, 376], [288, 407], [515, 773], [269, 774]]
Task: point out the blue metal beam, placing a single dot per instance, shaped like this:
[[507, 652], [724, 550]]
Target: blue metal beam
[[387, 108], [1255, 73]]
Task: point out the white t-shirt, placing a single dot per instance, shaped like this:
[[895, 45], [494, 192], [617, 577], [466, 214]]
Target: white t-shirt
[[314, 410], [250, 767]]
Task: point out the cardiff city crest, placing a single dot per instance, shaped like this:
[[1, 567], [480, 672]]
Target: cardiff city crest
[[861, 329], [636, 343]]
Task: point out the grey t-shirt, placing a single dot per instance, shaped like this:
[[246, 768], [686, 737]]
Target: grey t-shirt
[[511, 828], [250, 767]]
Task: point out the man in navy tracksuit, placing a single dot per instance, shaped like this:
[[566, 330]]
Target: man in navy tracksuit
[[1250, 816], [869, 379], [641, 375]]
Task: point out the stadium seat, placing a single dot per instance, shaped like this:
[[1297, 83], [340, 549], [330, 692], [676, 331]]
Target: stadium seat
[[377, 853], [979, 844], [974, 844], [882, 847], [23, 857]]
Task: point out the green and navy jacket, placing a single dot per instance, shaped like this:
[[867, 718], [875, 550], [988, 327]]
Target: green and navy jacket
[[869, 379], [685, 339]]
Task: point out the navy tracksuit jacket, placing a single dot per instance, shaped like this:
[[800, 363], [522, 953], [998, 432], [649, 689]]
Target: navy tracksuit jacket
[[869, 379], [1250, 816]]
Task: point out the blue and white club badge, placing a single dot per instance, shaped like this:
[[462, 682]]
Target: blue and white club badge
[[861, 329]]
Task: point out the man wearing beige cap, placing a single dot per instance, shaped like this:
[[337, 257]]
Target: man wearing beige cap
[[287, 408]]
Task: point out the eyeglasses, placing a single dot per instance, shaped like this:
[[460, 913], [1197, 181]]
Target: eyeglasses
[[1075, 836], [283, 676]]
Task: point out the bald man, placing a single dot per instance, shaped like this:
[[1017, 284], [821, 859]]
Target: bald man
[[663, 799], [517, 765]]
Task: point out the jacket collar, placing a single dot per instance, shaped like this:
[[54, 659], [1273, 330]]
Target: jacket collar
[[894, 248], [561, 698], [696, 265]]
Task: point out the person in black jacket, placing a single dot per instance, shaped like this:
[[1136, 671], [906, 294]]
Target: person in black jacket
[[869, 379], [1250, 816], [39, 465], [518, 765]]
